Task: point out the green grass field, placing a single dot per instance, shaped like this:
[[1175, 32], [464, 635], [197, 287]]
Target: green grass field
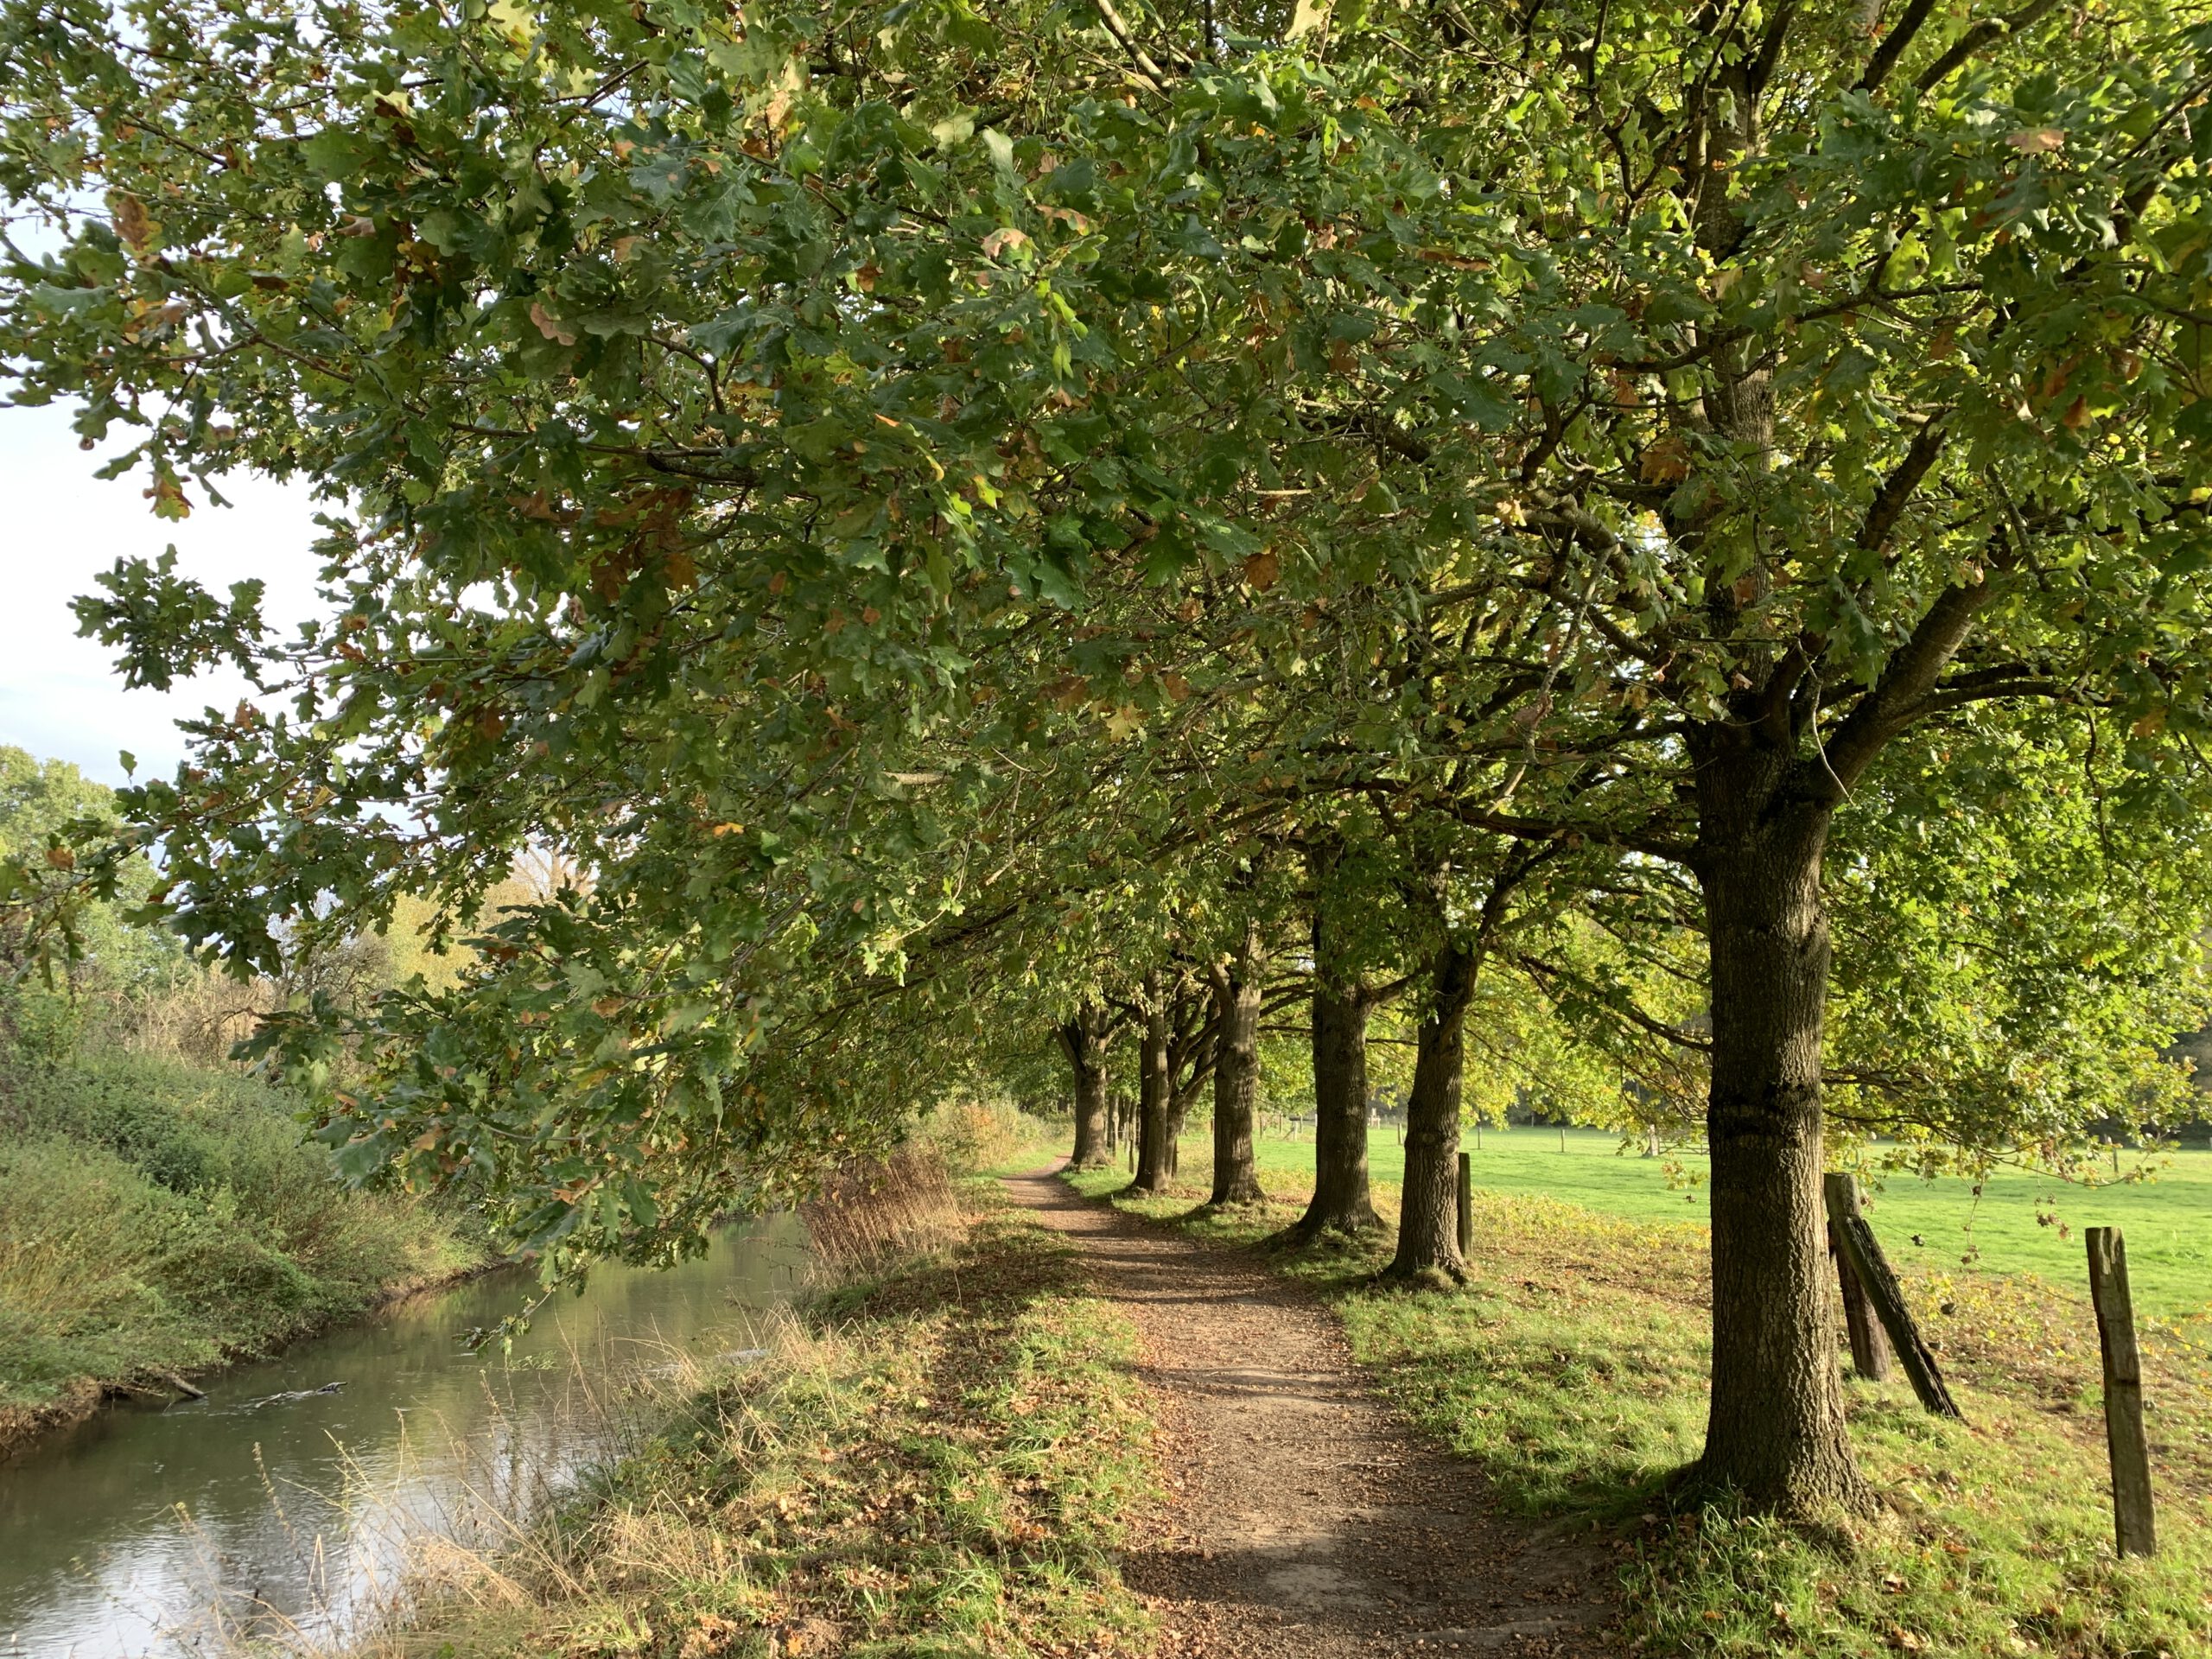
[[2167, 1218]]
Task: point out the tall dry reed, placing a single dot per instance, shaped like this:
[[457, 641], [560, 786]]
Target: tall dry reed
[[874, 1212]]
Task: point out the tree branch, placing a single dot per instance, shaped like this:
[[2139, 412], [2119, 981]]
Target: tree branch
[[1889, 502], [1119, 30], [1979, 36], [1893, 45], [1899, 697]]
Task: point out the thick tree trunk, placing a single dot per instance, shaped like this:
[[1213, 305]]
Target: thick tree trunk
[[1428, 1220], [1775, 1435], [1083, 1040], [1155, 1093], [1236, 1075], [1342, 1202]]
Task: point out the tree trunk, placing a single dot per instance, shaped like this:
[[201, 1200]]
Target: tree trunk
[[1341, 1202], [1429, 1219], [1776, 1434], [1083, 1040], [1236, 1074], [1155, 1093]]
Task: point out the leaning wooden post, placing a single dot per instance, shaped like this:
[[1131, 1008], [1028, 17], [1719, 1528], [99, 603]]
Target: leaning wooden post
[[2126, 1441], [1870, 1346], [1466, 1203], [1864, 1252]]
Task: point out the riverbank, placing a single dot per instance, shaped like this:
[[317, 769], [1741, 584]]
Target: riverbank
[[1571, 1371], [162, 1219], [941, 1456]]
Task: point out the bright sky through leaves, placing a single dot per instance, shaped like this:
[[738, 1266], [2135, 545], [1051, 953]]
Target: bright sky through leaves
[[59, 694]]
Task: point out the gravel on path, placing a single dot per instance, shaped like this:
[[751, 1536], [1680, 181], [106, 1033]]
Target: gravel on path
[[1304, 1518]]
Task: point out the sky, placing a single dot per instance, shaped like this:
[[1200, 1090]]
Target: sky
[[60, 526]]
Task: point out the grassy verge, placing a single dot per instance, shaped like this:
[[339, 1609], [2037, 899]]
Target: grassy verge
[[159, 1218], [1574, 1371], [939, 1459]]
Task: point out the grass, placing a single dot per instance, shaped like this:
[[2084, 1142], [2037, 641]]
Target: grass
[[2021, 1223], [940, 1459], [160, 1218], [1573, 1372]]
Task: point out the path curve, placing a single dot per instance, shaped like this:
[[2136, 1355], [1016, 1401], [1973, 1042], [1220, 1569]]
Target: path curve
[[1305, 1518]]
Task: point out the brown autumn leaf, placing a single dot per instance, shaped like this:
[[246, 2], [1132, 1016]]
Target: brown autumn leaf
[[550, 326], [131, 223], [1665, 461], [2039, 140], [1000, 240], [1263, 569]]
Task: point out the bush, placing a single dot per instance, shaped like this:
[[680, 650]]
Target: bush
[[160, 1217], [978, 1135]]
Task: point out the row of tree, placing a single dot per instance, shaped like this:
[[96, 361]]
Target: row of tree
[[946, 513]]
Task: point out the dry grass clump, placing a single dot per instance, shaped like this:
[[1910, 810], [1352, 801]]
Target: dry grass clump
[[874, 1212]]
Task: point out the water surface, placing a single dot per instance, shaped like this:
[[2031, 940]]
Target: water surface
[[172, 1531]]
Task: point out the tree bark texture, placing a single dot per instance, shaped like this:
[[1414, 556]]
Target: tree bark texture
[[1776, 1432], [1083, 1038], [1342, 1201], [1428, 1217], [1155, 1092], [1236, 1074]]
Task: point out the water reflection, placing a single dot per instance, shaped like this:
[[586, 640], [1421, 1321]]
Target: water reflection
[[271, 1509]]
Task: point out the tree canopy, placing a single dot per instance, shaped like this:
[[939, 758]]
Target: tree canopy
[[934, 503]]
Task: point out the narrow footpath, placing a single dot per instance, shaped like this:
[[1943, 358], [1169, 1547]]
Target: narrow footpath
[[1304, 1518]]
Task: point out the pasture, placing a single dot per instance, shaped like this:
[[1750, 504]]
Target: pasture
[[2021, 1223]]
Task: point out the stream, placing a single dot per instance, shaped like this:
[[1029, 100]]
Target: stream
[[274, 1508]]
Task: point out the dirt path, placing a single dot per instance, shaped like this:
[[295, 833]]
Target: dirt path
[[1308, 1520]]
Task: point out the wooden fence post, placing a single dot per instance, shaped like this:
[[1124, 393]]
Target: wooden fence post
[[1870, 1345], [1466, 1198], [1864, 1252], [2126, 1441]]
